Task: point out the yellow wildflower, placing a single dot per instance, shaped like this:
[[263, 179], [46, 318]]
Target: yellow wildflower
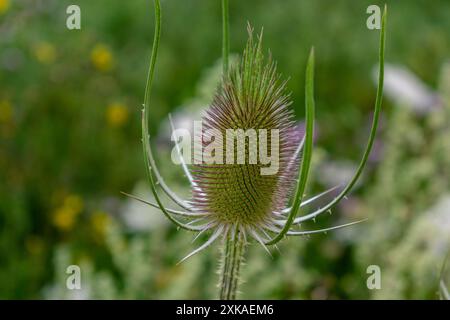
[[4, 6], [100, 221], [64, 219], [45, 52], [116, 115], [6, 110], [65, 216], [102, 58], [74, 202]]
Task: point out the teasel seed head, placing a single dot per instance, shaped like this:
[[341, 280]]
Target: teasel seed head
[[251, 96]]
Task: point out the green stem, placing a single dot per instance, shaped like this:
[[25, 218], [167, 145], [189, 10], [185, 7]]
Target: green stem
[[225, 36], [232, 257]]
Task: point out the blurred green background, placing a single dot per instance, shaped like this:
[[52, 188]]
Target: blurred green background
[[70, 142]]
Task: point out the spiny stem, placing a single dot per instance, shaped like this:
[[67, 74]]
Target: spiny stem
[[232, 253], [225, 36], [232, 257]]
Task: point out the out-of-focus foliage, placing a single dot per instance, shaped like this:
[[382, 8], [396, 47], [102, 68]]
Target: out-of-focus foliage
[[70, 142], [409, 202]]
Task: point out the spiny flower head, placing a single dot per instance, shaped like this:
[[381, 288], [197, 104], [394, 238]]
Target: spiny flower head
[[251, 98]]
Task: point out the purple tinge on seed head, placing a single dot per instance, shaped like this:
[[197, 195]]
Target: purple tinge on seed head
[[251, 96]]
